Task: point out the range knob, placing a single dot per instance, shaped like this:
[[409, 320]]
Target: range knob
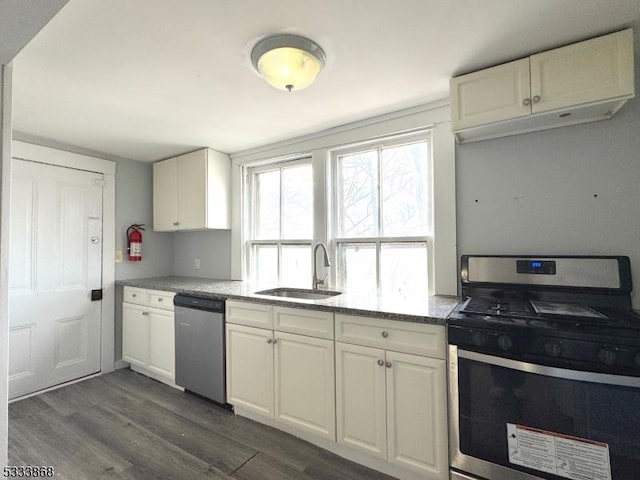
[[478, 338], [553, 349], [505, 343], [609, 357]]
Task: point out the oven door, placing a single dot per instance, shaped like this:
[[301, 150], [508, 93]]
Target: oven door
[[512, 420]]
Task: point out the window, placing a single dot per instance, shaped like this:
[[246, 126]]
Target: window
[[281, 223], [383, 216]]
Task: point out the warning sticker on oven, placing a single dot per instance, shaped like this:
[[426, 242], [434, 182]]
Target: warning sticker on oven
[[568, 457]]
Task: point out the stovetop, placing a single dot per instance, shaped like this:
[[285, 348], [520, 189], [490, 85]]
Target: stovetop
[[558, 317]]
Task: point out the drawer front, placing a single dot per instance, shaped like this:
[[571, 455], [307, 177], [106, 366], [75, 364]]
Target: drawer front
[[304, 322], [138, 296], [250, 314], [407, 337], [162, 300]]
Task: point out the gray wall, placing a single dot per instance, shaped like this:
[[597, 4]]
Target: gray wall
[[134, 204], [213, 248], [571, 190]]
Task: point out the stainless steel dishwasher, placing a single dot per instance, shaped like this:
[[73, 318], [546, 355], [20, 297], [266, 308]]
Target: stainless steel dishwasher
[[200, 346]]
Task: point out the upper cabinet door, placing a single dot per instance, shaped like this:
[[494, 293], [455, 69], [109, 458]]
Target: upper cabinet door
[[491, 95], [594, 70], [192, 190], [165, 190]]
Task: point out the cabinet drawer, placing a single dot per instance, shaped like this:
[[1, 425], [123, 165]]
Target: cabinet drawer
[[407, 337], [304, 322], [251, 314], [162, 300], [135, 295]]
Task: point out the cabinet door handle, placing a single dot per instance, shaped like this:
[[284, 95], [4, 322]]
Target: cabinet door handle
[[388, 364], [176, 223], [526, 102], [381, 362], [134, 295], [536, 99], [275, 340], [269, 340], [160, 299], [385, 334], [145, 313]]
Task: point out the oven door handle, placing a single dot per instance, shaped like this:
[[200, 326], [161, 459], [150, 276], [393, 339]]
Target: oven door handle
[[555, 372]]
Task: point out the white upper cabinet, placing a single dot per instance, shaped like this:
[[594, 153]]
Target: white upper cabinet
[[590, 71], [579, 83], [491, 95], [192, 192]]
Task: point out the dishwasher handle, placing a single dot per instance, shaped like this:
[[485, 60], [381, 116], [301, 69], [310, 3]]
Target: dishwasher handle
[[199, 303]]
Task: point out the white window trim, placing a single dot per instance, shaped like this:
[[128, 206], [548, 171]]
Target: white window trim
[[436, 116]]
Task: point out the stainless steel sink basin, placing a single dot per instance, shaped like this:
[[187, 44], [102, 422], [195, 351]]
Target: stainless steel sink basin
[[304, 293]]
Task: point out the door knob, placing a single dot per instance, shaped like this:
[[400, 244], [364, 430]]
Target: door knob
[[526, 102], [385, 334], [388, 364], [381, 362]]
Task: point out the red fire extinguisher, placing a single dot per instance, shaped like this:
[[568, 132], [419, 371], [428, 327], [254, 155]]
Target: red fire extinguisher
[[134, 242]]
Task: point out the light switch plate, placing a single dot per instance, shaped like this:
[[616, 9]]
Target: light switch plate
[[118, 256]]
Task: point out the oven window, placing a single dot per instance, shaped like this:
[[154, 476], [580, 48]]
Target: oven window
[[492, 396]]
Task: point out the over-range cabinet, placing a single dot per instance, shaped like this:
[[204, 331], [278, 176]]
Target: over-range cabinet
[[544, 370]]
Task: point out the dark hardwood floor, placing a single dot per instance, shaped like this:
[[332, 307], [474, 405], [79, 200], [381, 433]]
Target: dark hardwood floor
[[126, 426]]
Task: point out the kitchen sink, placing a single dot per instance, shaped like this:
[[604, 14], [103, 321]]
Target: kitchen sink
[[304, 293]]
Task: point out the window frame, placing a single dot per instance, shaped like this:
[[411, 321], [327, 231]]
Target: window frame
[[277, 164], [333, 209]]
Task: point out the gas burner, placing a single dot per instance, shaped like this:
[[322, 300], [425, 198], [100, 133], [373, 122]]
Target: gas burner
[[501, 308]]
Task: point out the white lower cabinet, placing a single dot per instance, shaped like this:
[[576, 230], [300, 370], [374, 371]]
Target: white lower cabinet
[[250, 368], [377, 395], [281, 376], [393, 406], [361, 399], [148, 333], [135, 334], [304, 383]]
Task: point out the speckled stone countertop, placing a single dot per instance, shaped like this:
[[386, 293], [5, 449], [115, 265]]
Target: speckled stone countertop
[[429, 309]]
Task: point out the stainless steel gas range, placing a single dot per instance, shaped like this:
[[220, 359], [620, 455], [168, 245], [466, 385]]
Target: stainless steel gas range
[[544, 370]]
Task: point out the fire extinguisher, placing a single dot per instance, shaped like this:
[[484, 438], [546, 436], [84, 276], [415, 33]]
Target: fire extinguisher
[[134, 242]]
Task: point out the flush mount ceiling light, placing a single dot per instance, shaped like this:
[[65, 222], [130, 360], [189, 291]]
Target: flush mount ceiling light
[[288, 62]]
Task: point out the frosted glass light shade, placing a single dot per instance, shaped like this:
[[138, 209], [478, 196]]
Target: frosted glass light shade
[[288, 62]]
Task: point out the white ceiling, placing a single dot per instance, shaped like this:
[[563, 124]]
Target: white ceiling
[[147, 79]]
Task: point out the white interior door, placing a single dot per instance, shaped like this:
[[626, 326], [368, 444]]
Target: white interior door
[[56, 258]]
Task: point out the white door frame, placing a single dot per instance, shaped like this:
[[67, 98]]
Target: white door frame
[[51, 156]]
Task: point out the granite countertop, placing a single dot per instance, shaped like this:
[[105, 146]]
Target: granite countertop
[[429, 309]]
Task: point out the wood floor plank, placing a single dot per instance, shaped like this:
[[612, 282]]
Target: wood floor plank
[[332, 467], [263, 467], [223, 453], [125, 426], [280, 445], [143, 449]]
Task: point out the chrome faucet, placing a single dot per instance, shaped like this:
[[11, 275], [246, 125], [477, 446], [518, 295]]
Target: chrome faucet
[[316, 282]]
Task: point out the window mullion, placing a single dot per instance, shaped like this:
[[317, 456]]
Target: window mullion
[[380, 213], [378, 268], [379, 173]]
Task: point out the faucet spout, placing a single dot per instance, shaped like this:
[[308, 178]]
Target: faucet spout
[[316, 282]]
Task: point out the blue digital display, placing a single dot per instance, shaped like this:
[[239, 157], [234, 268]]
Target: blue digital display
[[540, 267]]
